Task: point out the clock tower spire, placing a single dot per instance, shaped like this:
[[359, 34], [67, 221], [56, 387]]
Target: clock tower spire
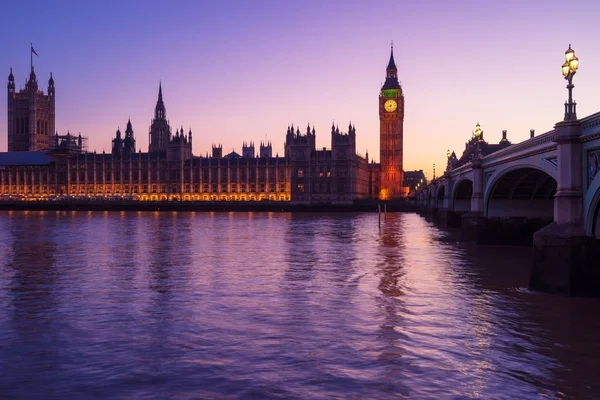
[[391, 123]]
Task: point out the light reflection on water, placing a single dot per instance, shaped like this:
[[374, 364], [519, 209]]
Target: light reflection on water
[[274, 305]]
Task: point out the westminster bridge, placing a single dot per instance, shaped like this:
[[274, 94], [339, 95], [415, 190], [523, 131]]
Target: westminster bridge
[[544, 191]]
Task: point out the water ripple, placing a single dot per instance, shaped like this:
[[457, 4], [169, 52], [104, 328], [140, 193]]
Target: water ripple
[[268, 305]]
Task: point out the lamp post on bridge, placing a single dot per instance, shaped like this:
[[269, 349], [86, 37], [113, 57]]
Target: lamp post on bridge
[[478, 132], [569, 69], [564, 256]]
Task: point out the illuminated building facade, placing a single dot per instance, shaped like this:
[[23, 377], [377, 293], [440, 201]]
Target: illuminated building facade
[[391, 135], [168, 171], [40, 165]]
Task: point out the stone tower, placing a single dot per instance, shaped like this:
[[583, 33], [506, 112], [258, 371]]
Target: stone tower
[[31, 115], [129, 141], [391, 117], [248, 150], [266, 150], [160, 131]]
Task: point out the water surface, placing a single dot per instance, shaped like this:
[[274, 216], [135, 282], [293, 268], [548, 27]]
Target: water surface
[[274, 305]]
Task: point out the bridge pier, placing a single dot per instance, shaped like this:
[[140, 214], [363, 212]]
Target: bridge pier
[[422, 204], [432, 204], [508, 231], [448, 219], [473, 222], [565, 260]]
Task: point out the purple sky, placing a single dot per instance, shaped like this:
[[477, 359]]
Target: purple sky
[[235, 71]]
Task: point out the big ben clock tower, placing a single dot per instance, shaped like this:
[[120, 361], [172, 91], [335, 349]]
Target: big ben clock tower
[[391, 122]]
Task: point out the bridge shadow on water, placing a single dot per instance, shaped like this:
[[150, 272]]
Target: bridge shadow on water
[[554, 336]]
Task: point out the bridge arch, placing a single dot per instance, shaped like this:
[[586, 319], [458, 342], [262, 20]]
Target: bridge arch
[[521, 191], [461, 195], [440, 194], [592, 208]]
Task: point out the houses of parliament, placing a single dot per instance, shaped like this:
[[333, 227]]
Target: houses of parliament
[[41, 164]]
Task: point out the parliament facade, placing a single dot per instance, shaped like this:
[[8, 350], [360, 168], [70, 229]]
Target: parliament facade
[[41, 164]]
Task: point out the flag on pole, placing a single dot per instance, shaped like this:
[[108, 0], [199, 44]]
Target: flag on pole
[[33, 51]]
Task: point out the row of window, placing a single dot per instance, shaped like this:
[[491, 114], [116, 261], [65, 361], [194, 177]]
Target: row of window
[[322, 173], [18, 189]]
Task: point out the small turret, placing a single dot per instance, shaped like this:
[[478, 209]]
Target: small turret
[[248, 148], [51, 86], [129, 141], [265, 150], [117, 143], [11, 82], [217, 151], [32, 82], [160, 111]]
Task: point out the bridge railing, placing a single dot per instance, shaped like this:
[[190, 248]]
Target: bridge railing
[[542, 142], [590, 125]]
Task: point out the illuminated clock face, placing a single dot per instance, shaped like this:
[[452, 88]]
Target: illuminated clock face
[[390, 105]]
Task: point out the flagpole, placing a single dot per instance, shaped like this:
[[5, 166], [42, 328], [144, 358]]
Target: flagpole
[[31, 55]]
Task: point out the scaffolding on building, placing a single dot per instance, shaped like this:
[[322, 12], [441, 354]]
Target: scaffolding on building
[[69, 143]]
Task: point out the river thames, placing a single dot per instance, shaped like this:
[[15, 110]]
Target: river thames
[[134, 305]]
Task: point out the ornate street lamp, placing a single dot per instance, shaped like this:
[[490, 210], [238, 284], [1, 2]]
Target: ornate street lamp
[[478, 133], [569, 68]]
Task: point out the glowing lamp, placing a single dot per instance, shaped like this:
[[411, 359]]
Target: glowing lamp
[[570, 53], [478, 131], [574, 64], [569, 68], [448, 154]]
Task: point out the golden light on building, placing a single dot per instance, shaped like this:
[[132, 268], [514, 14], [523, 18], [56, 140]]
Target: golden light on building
[[384, 194]]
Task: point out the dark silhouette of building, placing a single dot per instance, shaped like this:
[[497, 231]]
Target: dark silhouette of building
[[31, 115], [413, 178], [160, 131], [337, 175]]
